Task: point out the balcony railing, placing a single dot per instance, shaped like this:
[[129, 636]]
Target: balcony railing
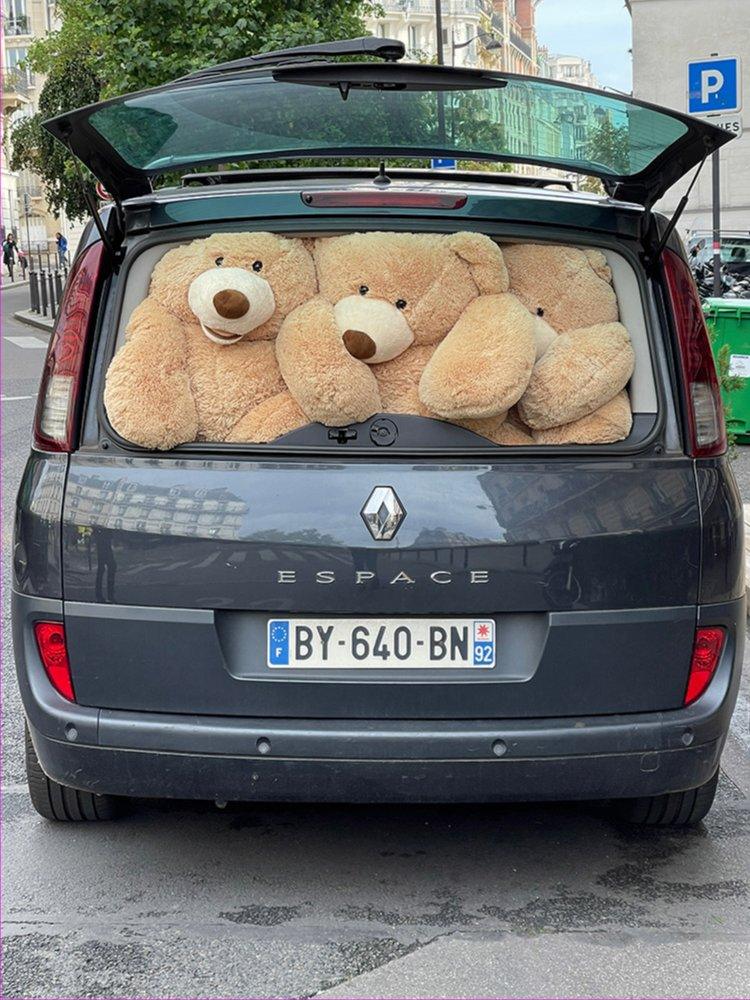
[[427, 7], [16, 81], [520, 43], [20, 25]]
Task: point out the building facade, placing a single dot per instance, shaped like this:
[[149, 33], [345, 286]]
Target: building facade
[[571, 69], [495, 34], [501, 35], [667, 35], [24, 206]]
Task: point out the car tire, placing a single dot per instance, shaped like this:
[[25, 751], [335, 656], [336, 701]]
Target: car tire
[[57, 802], [673, 808]]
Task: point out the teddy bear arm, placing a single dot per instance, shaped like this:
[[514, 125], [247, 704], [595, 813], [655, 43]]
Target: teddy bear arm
[[329, 385], [147, 392], [275, 416], [484, 364]]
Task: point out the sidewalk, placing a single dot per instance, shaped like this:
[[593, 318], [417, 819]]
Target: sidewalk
[[746, 512], [36, 320], [8, 285]]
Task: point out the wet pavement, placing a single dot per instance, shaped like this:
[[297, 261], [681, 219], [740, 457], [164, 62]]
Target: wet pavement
[[524, 900]]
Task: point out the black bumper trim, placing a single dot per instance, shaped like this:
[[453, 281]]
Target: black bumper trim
[[233, 778]]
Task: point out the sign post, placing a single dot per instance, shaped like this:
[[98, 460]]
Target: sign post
[[714, 92]]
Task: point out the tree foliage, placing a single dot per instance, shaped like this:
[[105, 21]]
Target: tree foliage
[[69, 84], [109, 47], [133, 45]]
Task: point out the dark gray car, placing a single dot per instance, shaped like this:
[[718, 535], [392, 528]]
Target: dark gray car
[[155, 593]]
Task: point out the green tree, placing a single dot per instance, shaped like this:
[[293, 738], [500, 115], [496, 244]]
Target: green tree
[[609, 146], [70, 83], [109, 47]]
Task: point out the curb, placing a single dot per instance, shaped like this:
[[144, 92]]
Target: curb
[[8, 286], [746, 518], [34, 319]]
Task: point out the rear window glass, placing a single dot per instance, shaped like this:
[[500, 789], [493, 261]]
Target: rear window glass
[[251, 118], [259, 338]]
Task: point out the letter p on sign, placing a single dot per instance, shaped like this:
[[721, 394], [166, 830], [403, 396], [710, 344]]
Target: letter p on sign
[[712, 80], [713, 85]]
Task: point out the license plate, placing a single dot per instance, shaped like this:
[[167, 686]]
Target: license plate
[[377, 643]]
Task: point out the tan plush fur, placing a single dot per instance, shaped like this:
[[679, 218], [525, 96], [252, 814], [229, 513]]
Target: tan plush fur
[[588, 362], [473, 344], [169, 384], [611, 422], [484, 365], [497, 349], [571, 287], [580, 372]]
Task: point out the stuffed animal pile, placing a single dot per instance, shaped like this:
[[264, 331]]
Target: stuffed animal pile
[[245, 337]]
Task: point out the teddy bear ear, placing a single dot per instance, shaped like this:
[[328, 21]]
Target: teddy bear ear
[[485, 260], [598, 262]]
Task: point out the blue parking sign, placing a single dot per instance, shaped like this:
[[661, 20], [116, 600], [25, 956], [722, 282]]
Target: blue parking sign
[[713, 85]]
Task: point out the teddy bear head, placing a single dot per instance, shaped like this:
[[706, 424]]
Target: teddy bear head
[[391, 290], [235, 285], [565, 287]]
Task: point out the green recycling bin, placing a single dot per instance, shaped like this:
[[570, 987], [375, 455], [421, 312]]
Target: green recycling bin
[[728, 322]]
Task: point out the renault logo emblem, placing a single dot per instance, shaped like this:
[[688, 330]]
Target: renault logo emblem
[[383, 513]]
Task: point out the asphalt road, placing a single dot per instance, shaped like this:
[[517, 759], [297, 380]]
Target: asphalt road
[[185, 900]]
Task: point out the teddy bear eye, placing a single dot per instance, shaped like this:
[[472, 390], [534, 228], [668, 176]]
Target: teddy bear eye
[[401, 303], [540, 311], [363, 289], [257, 265], [219, 261]]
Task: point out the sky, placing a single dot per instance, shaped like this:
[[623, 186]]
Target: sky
[[598, 30]]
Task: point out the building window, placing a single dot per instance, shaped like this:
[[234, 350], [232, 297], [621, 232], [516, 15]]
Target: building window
[[413, 37], [14, 58], [15, 18], [381, 29]]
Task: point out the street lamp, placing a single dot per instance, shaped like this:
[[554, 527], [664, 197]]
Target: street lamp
[[490, 46]]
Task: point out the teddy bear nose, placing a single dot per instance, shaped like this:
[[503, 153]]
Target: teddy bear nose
[[359, 344], [230, 303]]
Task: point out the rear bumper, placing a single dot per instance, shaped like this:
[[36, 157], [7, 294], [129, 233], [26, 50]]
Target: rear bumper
[[210, 757], [160, 774]]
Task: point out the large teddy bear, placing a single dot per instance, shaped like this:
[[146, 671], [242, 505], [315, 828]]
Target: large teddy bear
[[198, 361], [408, 323], [584, 356]]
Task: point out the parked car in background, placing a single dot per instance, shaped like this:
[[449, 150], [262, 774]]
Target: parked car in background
[[150, 587]]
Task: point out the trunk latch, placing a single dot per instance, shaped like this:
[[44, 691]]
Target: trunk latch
[[341, 435]]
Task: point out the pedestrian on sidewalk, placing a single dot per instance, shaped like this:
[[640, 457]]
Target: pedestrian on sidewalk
[[10, 251], [62, 248]]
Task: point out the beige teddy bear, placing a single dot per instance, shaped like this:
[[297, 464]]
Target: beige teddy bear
[[408, 323], [198, 359], [584, 355]]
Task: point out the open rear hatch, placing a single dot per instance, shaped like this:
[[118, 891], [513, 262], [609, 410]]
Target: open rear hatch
[[176, 567], [295, 104]]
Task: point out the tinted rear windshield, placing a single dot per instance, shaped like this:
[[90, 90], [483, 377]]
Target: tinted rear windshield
[[505, 118]]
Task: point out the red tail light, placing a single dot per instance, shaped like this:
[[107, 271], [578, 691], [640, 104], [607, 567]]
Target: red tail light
[[50, 638], [58, 406], [382, 199], [707, 648], [705, 414]]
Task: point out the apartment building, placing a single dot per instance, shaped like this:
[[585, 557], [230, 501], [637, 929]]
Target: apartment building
[[496, 34], [24, 206], [667, 36]]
